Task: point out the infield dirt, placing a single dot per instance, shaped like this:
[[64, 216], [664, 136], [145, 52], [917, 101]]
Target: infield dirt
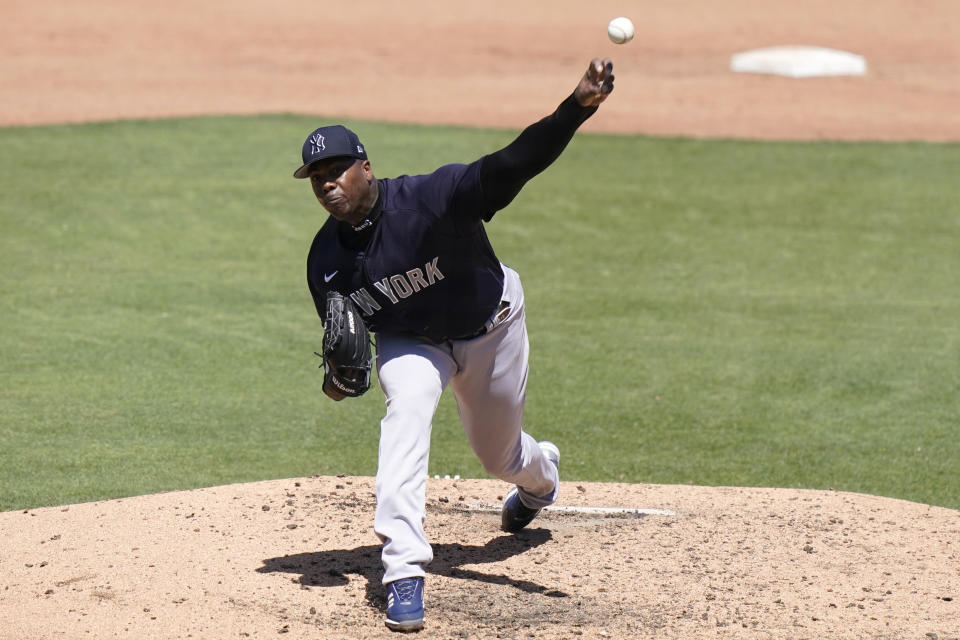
[[297, 557]]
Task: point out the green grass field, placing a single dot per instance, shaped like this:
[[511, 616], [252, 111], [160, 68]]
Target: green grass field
[[705, 312]]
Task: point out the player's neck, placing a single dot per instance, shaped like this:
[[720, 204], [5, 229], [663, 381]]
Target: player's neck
[[372, 209]]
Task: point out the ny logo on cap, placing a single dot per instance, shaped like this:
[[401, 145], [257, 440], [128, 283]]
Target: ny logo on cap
[[317, 141]]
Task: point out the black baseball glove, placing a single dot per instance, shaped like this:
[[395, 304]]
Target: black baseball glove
[[346, 349]]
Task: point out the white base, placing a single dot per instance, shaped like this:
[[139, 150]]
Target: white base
[[799, 62]]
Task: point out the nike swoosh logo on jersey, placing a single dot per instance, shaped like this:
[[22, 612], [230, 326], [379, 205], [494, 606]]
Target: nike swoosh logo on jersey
[[329, 277]]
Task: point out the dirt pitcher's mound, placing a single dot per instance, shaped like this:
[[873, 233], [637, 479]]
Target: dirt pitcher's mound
[[298, 557]]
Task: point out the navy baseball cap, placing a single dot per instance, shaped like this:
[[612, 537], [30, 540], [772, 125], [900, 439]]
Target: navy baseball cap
[[329, 142]]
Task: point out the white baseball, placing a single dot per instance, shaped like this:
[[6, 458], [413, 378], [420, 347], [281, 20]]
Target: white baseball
[[620, 30]]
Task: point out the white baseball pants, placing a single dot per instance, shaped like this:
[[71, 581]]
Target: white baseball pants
[[488, 376]]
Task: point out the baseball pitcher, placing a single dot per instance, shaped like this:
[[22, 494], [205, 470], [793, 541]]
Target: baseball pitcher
[[408, 260]]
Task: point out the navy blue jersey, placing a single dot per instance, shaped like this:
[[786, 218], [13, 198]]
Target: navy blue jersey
[[425, 267], [421, 263]]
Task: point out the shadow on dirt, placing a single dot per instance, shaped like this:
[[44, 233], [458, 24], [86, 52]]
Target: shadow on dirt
[[332, 568]]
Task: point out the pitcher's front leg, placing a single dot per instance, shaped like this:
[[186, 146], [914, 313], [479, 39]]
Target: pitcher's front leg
[[412, 375]]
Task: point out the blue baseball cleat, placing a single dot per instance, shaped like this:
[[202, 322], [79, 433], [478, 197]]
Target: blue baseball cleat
[[405, 604], [516, 515]]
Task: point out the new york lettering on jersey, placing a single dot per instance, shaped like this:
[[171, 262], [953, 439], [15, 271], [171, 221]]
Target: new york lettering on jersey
[[398, 286]]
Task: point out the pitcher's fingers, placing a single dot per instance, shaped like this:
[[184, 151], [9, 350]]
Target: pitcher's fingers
[[595, 70]]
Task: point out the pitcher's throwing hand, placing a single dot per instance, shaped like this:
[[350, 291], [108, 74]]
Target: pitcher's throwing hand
[[596, 84]]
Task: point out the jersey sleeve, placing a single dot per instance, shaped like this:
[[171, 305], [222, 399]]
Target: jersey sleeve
[[453, 192], [503, 174]]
